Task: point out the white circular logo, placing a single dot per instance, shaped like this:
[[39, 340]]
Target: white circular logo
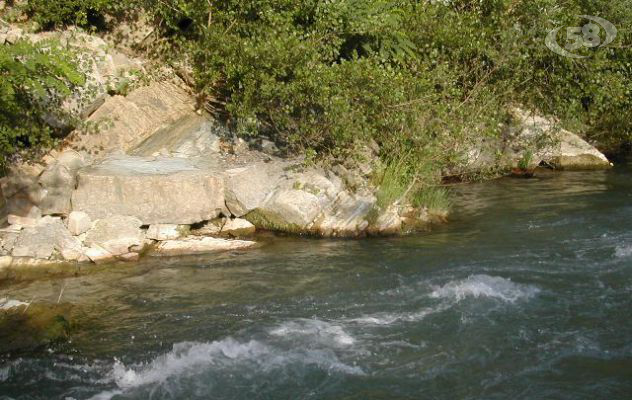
[[588, 36]]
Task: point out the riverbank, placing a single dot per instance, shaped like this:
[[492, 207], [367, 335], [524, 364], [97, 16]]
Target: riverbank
[[147, 170], [330, 317]]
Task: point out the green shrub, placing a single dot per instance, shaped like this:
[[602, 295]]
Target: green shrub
[[34, 80], [420, 78], [88, 13]]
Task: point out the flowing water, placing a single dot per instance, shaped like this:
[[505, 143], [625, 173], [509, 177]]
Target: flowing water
[[525, 294]]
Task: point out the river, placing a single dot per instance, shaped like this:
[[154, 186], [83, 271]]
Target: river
[[525, 294]]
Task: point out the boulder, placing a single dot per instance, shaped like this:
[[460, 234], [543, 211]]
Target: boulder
[[126, 122], [388, 222], [576, 153], [156, 190], [196, 245], [115, 235], [550, 144], [346, 216], [58, 181], [22, 191], [246, 188], [238, 227], [166, 231], [47, 237], [190, 136], [79, 223], [287, 210]]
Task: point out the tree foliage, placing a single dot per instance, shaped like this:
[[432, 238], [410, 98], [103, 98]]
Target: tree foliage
[[35, 78]]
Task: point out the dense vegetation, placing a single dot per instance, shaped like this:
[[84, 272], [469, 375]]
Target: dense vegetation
[[35, 78], [421, 78]]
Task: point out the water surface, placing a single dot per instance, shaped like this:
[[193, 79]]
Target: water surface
[[525, 294]]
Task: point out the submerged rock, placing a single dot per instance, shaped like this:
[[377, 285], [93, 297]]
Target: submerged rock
[[196, 245], [29, 326]]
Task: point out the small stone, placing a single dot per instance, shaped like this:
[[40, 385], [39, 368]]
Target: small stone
[[200, 245], [99, 255], [79, 223], [238, 227], [162, 232]]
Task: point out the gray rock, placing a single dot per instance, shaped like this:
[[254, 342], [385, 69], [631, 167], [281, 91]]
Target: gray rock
[[157, 191], [346, 216], [44, 239], [78, 223], [22, 191], [288, 210], [246, 188], [190, 136], [126, 122], [8, 238], [99, 255], [58, 183], [387, 223], [198, 245], [238, 227], [166, 231], [550, 143], [116, 235]]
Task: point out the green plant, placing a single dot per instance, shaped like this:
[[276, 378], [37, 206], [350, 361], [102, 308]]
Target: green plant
[[92, 13], [35, 78], [525, 161], [435, 198]]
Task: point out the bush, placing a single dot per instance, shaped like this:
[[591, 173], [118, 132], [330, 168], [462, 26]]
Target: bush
[[35, 79], [87, 13], [420, 78]]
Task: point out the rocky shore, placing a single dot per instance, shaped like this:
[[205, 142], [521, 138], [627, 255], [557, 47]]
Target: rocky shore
[[155, 175]]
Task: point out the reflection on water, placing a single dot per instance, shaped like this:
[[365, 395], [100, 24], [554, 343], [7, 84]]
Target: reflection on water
[[525, 294]]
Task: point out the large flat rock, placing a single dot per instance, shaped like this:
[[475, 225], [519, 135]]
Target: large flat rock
[[155, 190]]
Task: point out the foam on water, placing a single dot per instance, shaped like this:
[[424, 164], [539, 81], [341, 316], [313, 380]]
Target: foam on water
[[317, 330], [485, 286], [392, 318], [188, 359], [623, 251]]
